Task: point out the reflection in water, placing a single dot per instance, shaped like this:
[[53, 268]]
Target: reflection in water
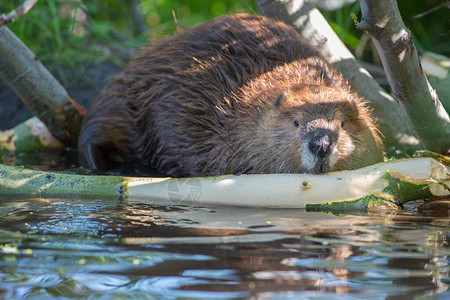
[[106, 248]]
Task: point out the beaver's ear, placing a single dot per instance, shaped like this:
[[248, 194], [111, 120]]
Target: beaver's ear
[[356, 104], [281, 98]]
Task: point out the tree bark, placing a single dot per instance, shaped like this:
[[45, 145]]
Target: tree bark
[[382, 20], [38, 89], [308, 21]]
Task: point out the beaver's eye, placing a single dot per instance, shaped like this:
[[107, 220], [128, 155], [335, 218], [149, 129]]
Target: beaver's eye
[[296, 124], [342, 124]]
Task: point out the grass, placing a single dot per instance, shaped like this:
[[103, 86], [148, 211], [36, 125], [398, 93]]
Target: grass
[[51, 28]]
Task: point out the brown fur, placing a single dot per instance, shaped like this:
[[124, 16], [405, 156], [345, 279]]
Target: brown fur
[[239, 94]]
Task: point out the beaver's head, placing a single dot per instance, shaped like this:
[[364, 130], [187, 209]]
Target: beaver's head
[[316, 129]]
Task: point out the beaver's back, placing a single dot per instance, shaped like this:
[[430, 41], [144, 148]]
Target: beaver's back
[[166, 95], [173, 101]]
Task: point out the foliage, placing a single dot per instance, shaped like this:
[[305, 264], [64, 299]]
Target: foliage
[[68, 35], [74, 33], [160, 13]]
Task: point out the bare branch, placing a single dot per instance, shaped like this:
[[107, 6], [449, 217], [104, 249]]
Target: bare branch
[[21, 10], [432, 9], [382, 20]]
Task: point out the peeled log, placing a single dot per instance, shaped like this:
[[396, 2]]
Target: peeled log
[[391, 183], [29, 136]]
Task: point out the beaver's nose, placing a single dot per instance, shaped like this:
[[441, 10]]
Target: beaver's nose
[[320, 145]]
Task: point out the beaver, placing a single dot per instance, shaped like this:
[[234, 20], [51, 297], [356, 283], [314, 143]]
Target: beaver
[[238, 94]]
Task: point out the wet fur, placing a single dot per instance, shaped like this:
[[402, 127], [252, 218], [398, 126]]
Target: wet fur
[[221, 98]]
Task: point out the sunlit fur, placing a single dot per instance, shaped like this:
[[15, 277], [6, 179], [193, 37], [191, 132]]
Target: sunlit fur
[[283, 148], [222, 98]]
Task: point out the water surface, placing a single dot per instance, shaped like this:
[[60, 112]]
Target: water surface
[[100, 248], [113, 249]]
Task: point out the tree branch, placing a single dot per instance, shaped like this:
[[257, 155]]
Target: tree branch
[[381, 19], [432, 9], [21, 10], [308, 21], [38, 89]]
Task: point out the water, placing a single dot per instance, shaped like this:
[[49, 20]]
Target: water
[[107, 249], [111, 249]]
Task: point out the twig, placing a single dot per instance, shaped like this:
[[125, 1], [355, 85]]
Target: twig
[[445, 159], [432, 9], [175, 19], [21, 10]]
